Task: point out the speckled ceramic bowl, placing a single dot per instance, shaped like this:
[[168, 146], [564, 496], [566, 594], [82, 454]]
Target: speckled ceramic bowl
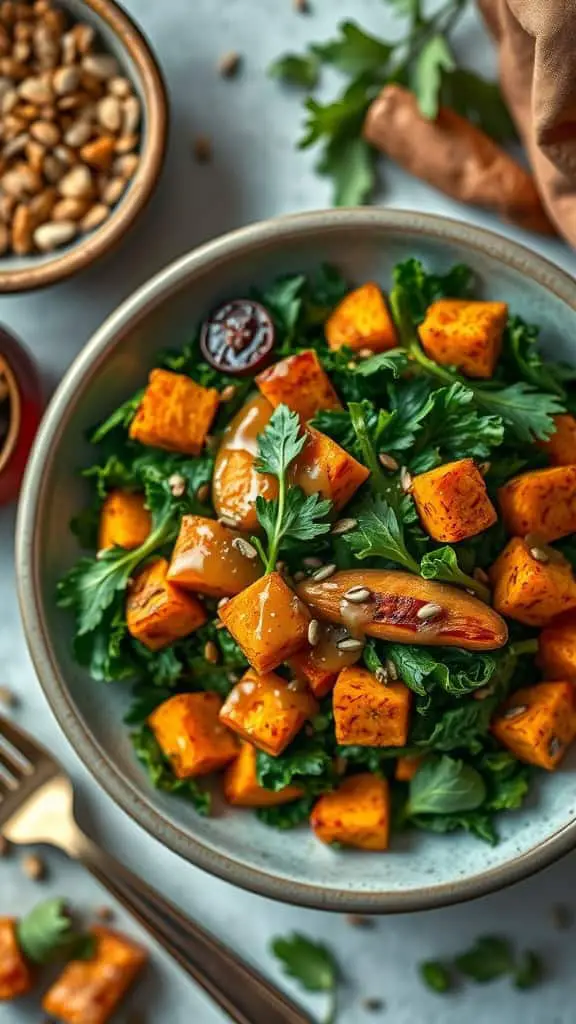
[[422, 870]]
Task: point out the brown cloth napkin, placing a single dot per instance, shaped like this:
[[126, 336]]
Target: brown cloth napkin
[[537, 57]]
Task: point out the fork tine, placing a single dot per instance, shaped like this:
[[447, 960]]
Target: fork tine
[[17, 739], [16, 766]]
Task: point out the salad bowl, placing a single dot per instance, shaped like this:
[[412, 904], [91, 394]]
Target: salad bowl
[[421, 869]]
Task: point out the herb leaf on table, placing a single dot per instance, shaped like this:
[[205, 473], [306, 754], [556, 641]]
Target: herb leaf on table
[[311, 964], [47, 934]]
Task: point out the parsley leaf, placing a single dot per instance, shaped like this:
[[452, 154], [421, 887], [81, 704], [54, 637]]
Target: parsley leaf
[[435, 976], [296, 69], [490, 957], [530, 970], [160, 773], [442, 564], [434, 59], [445, 786], [311, 964], [306, 758], [378, 534], [47, 934], [355, 52], [287, 816], [120, 418]]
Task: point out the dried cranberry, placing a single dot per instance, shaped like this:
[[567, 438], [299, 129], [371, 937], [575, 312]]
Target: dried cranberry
[[238, 338]]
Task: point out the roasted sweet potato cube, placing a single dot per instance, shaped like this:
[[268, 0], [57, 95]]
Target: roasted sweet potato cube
[[538, 723], [211, 559], [452, 501], [542, 502], [561, 447], [267, 711], [15, 975], [157, 612], [319, 666], [362, 320], [557, 648], [268, 621], [355, 814], [531, 590], [236, 482], [368, 713], [124, 521], [188, 729], [241, 786], [406, 767], [466, 334], [325, 468], [301, 383], [175, 413], [89, 991]]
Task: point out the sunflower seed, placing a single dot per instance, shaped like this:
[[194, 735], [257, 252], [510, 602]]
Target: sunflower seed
[[7, 697], [405, 480], [343, 526], [104, 913], [227, 393], [555, 746], [381, 675], [244, 548], [484, 467], [313, 632], [429, 611], [358, 595], [360, 921], [391, 668], [515, 711], [228, 521], [324, 573], [311, 563], [350, 644], [177, 485], [539, 555], [229, 64], [372, 1004], [223, 601], [388, 462], [211, 652]]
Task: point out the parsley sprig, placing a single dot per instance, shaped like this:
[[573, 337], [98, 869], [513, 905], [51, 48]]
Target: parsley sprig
[[311, 964], [47, 934]]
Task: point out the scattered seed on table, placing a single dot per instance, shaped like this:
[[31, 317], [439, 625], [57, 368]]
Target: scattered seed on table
[[202, 148], [388, 462], [372, 1004], [229, 64], [343, 526], [302, 6], [8, 698], [359, 921], [33, 867], [104, 913]]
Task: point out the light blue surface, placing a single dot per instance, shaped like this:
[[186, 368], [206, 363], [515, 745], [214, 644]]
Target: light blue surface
[[256, 173]]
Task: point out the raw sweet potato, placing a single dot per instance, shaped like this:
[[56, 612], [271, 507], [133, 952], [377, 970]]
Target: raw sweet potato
[[188, 729], [241, 786], [557, 648], [209, 558], [528, 589], [356, 814], [268, 620], [157, 612], [300, 382], [453, 502], [538, 723], [406, 767], [454, 156], [89, 991], [561, 447], [124, 521], [175, 413], [15, 975], [368, 713], [362, 320], [406, 609], [542, 501], [236, 483], [323, 467], [267, 711], [466, 334], [319, 666]]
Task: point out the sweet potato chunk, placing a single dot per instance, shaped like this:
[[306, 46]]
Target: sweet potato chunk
[[542, 502], [529, 590], [301, 383], [466, 334], [557, 648], [452, 501], [355, 814], [236, 483], [561, 447], [362, 320], [406, 767], [538, 723], [124, 521], [189, 731], [267, 711], [175, 413], [368, 713], [157, 612], [319, 666], [15, 975], [268, 620], [241, 786], [89, 991], [325, 468], [209, 558]]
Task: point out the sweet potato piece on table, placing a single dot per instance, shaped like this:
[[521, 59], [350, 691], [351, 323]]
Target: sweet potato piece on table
[[241, 786], [538, 723], [323, 467], [125, 522], [368, 713], [557, 648], [452, 501], [175, 413], [267, 711], [541, 502], [319, 666], [15, 975], [362, 320], [406, 767], [206, 559], [355, 814], [157, 612], [301, 383], [89, 991], [529, 590], [458, 332], [268, 621], [188, 729], [561, 447]]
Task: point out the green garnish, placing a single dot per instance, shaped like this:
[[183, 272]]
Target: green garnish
[[445, 786], [312, 965], [47, 934], [489, 958], [435, 976]]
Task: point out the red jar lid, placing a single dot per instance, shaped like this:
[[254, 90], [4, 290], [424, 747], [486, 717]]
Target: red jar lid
[[22, 403]]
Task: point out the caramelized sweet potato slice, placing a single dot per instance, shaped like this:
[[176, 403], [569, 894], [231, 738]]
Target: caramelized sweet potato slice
[[300, 382], [325, 468], [362, 320], [175, 413], [157, 612], [368, 713], [407, 609], [124, 521], [561, 447], [15, 975], [236, 483], [466, 334], [208, 558], [319, 666], [268, 621], [267, 711], [356, 814], [542, 501], [453, 502], [190, 734], [557, 648], [531, 590], [241, 786], [538, 723]]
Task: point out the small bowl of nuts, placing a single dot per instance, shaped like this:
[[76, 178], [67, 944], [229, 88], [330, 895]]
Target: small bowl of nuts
[[83, 124]]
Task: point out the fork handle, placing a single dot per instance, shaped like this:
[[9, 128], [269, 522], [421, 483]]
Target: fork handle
[[237, 988]]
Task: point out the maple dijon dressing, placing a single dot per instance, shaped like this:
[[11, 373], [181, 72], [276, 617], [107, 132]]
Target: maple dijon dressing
[[237, 483]]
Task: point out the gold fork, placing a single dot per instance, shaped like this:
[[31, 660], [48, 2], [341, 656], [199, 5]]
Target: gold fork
[[37, 806]]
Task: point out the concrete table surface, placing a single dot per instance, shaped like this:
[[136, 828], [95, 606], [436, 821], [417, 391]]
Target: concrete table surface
[[256, 173]]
